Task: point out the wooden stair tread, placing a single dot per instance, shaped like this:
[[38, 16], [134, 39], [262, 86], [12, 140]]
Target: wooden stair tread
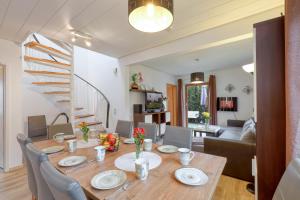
[[63, 101], [49, 73], [58, 92], [47, 62], [51, 83], [78, 108], [84, 116], [48, 50], [90, 124]]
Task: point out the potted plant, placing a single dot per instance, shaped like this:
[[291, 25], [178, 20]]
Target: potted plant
[[138, 135], [136, 79]]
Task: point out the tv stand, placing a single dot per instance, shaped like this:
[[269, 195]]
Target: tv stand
[[160, 118]]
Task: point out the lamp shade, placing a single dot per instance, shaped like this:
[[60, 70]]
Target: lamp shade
[[197, 77], [150, 15]]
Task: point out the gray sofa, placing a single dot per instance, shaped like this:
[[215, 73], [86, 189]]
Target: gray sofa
[[238, 145]]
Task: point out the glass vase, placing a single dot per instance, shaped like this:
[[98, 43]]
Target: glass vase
[[137, 151], [85, 137], [206, 124]]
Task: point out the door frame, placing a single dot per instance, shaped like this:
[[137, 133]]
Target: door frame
[[186, 98], [5, 136]]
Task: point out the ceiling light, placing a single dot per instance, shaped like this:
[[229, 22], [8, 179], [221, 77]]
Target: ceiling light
[[73, 39], [80, 34], [248, 68], [197, 77], [150, 15], [88, 43]]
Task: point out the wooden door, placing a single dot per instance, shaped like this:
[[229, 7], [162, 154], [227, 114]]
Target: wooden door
[[270, 81], [172, 103]]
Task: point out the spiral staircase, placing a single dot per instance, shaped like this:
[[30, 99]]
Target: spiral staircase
[[51, 66]]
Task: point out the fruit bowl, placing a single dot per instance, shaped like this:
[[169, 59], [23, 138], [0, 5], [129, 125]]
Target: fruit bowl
[[111, 141]]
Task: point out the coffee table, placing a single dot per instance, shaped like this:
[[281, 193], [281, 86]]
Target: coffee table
[[212, 130]]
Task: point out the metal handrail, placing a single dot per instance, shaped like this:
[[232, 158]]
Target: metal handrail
[[60, 114], [106, 99]]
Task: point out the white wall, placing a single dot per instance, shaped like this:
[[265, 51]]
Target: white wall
[[239, 79], [99, 69], [152, 79], [10, 55]]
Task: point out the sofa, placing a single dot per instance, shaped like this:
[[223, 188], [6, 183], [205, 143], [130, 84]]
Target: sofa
[[236, 142]]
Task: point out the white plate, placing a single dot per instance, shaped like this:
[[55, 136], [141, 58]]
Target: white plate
[[71, 161], [191, 176], [129, 141], [69, 137], [167, 149], [53, 149], [108, 179]]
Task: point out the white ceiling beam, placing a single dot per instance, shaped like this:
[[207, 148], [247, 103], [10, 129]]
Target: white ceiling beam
[[231, 32]]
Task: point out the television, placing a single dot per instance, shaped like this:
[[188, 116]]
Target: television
[[227, 104], [153, 101]]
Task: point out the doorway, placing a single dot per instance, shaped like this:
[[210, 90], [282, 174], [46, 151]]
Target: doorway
[[2, 94], [172, 103], [196, 102]]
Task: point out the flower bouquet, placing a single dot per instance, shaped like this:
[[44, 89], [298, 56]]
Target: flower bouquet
[[110, 141], [138, 135], [206, 116]]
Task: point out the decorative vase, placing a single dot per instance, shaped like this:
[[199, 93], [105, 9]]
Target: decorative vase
[[134, 86], [137, 151], [206, 124], [85, 137]]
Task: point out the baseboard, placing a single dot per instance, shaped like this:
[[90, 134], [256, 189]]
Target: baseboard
[[15, 168]]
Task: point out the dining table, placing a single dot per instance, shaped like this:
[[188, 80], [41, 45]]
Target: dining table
[[161, 183]]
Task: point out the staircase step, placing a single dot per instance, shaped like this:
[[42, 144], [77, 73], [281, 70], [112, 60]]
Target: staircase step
[[60, 93], [91, 124], [49, 73], [53, 84], [84, 116], [63, 101], [48, 50], [78, 108], [47, 62]]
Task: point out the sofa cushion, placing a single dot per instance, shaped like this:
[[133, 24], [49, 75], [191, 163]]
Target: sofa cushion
[[232, 133], [249, 135], [249, 123]]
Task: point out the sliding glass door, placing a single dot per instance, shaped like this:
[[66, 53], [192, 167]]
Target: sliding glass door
[[196, 102]]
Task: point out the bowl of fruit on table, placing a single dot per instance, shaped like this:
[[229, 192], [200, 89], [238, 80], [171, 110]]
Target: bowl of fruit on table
[[111, 141]]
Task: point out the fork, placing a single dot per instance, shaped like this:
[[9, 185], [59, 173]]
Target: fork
[[121, 189]]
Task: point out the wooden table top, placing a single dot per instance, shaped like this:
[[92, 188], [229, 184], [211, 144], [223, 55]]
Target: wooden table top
[[160, 184]]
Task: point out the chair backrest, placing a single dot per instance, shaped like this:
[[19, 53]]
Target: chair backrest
[[150, 130], [124, 128], [37, 126], [23, 141], [61, 186], [178, 136], [67, 129], [288, 187], [36, 157]]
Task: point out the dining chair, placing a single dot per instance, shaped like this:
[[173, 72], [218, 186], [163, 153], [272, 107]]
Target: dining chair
[[61, 186], [150, 130], [124, 128], [178, 136], [288, 187], [23, 141], [36, 157], [67, 129], [37, 128]]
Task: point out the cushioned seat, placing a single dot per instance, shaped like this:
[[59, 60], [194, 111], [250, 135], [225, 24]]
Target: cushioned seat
[[124, 128], [233, 134], [178, 136]]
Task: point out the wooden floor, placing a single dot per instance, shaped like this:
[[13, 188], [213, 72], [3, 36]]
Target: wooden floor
[[13, 186]]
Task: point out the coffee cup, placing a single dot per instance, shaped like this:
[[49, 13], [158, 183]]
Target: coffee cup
[[72, 145], [148, 144], [59, 137], [185, 156], [100, 153]]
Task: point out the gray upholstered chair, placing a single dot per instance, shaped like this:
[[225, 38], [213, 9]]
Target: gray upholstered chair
[[178, 136], [288, 187], [36, 157], [67, 129], [150, 130], [23, 141], [61, 186], [124, 128], [37, 128]]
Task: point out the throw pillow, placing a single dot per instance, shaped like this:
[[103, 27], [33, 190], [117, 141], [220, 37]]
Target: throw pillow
[[249, 135]]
